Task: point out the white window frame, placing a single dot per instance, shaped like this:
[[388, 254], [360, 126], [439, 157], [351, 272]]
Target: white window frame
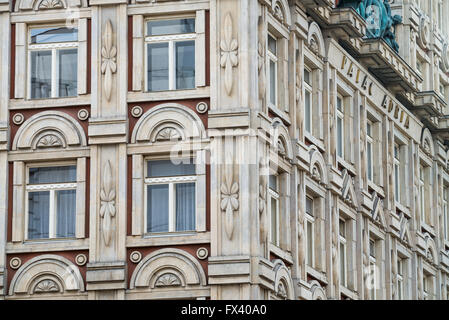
[[274, 194], [373, 266], [272, 57], [308, 88], [171, 181], [340, 135], [54, 48], [370, 146], [171, 40], [52, 188], [342, 237], [422, 193], [400, 285], [310, 220], [397, 172]]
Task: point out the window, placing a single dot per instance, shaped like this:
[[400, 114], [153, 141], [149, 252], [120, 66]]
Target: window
[[53, 62], [308, 100], [310, 236], [422, 193], [340, 127], [51, 204], [397, 173], [272, 69], [274, 208], [369, 150], [372, 268], [400, 279], [428, 285], [343, 254], [446, 214], [170, 46], [170, 196]]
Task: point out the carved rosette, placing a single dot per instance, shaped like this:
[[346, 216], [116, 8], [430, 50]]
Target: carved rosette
[[229, 53], [108, 61], [48, 141], [229, 198], [51, 4], [168, 280], [46, 286], [107, 208]]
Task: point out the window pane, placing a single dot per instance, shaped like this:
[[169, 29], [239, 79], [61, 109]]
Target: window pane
[[185, 65], [185, 207], [309, 243], [339, 104], [396, 182], [274, 226], [309, 206], [158, 67], [340, 137], [66, 213], [273, 182], [370, 161], [156, 28], [38, 215], [68, 69], [40, 74], [56, 34], [166, 168], [157, 208], [307, 76], [272, 82], [308, 111], [342, 228], [343, 264], [272, 45], [64, 174]]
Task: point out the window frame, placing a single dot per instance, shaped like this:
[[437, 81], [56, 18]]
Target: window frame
[[373, 266], [310, 220], [370, 146], [272, 57], [308, 88], [340, 115], [51, 188], [171, 40], [54, 47], [171, 181], [397, 172], [400, 285], [343, 249], [274, 195]]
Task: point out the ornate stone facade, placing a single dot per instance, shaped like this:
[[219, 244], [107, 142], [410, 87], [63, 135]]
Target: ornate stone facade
[[320, 149]]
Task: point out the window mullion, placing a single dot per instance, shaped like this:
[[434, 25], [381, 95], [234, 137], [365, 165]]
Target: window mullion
[[52, 215], [54, 73], [171, 65], [171, 207]]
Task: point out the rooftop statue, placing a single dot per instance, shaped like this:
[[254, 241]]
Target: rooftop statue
[[377, 14]]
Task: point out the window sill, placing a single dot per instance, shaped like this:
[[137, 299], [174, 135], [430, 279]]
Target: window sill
[[48, 245], [81, 100], [198, 93], [346, 165], [376, 188], [428, 228], [349, 293], [168, 239], [280, 253], [279, 113], [403, 209], [318, 275], [315, 141]]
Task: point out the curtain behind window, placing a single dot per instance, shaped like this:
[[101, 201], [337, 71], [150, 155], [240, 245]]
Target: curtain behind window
[[38, 215], [185, 207], [40, 74], [66, 213], [68, 68]]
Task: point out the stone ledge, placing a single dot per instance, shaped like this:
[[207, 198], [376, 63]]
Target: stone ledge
[[104, 131], [304, 292], [230, 119], [106, 275], [266, 274], [229, 270]]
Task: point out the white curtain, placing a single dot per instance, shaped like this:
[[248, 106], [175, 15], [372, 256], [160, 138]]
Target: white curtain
[[38, 214], [66, 211], [185, 207], [68, 69], [40, 74], [157, 208], [185, 65]]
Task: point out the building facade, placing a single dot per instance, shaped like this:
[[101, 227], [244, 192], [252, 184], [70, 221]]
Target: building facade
[[223, 149]]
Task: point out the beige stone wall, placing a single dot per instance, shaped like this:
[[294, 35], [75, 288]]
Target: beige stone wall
[[342, 225]]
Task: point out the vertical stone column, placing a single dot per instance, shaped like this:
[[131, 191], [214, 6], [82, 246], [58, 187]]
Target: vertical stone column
[[4, 133], [108, 128], [233, 264]]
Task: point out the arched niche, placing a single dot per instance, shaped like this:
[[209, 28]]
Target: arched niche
[[283, 283], [49, 129], [170, 121], [281, 138], [168, 268], [317, 167], [315, 39], [47, 274]]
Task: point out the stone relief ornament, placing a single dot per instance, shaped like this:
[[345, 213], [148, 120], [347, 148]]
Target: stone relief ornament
[[46, 286], [15, 263], [260, 63], [168, 134], [202, 253], [229, 53], [51, 4], [229, 198], [83, 114], [136, 111], [18, 119], [135, 256], [108, 61], [168, 280], [202, 107], [81, 259], [263, 205], [48, 141], [107, 197]]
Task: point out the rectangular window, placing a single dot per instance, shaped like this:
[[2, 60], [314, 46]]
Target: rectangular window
[[343, 253], [340, 127], [53, 62], [372, 266], [274, 208], [170, 196], [397, 173], [310, 235], [51, 205], [308, 91], [400, 279], [170, 46], [422, 193], [446, 214], [369, 150], [272, 69]]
